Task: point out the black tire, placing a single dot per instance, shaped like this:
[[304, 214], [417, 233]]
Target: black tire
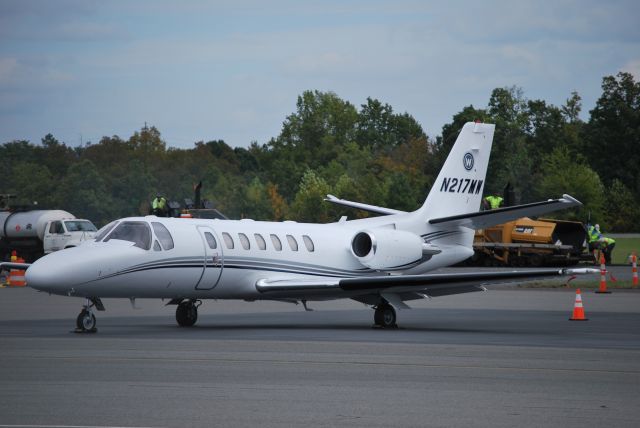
[[86, 321], [385, 316], [536, 260], [186, 314]]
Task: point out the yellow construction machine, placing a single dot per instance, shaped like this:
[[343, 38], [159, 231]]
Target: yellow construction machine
[[527, 242]]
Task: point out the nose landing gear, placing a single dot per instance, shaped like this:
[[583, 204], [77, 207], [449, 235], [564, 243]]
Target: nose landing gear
[[86, 320]]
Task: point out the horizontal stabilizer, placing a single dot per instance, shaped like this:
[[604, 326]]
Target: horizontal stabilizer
[[360, 206], [483, 219]]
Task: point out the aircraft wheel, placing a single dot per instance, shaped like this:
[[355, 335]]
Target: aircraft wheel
[[86, 321], [186, 314], [385, 316]]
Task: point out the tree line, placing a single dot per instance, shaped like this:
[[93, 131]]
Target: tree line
[[368, 153]]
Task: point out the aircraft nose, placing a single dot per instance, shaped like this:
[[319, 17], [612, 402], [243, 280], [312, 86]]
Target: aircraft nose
[[44, 276], [60, 272]]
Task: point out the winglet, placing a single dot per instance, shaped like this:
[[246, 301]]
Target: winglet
[[570, 199]]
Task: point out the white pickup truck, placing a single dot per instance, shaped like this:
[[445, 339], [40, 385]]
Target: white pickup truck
[[67, 233], [35, 233]]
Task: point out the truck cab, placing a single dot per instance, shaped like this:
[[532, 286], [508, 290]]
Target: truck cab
[[66, 233]]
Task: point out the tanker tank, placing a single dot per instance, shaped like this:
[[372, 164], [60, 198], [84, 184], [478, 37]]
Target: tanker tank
[[29, 224], [25, 232]]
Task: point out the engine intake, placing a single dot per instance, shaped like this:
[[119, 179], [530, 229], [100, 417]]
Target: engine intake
[[387, 249]]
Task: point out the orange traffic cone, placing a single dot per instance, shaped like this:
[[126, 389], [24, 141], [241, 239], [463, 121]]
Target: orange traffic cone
[[578, 310], [16, 276], [634, 270], [603, 277]]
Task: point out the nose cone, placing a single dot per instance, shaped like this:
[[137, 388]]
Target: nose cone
[[61, 272], [79, 270], [49, 273]]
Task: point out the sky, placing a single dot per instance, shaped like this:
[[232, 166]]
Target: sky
[[232, 70]]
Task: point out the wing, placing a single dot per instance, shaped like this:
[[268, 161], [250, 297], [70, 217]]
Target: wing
[[432, 285], [482, 219], [11, 265]]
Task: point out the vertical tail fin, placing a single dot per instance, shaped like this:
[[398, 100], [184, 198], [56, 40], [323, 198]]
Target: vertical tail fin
[[458, 188]]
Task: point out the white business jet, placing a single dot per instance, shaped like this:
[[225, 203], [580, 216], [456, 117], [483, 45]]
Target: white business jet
[[380, 261]]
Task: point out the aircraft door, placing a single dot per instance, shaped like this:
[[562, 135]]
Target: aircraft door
[[213, 262]]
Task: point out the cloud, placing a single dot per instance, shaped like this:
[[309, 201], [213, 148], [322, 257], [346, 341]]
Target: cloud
[[633, 67], [233, 69]]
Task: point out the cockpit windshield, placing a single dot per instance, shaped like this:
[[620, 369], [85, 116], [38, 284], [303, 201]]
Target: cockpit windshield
[[137, 232], [104, 230]]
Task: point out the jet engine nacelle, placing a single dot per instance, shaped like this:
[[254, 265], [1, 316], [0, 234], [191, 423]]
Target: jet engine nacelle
[[387, 249]]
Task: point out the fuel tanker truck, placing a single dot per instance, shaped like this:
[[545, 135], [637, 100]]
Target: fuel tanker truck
[[37, 232]]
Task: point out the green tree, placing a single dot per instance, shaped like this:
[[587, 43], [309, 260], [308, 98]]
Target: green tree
[[379, 128], [56, 156], [564, 173], [510, 156], [258, 205], [613, 132], [311, 137], [573, 126], [32, 183], [400, 193], [622, 208], [83, 192], [308, 205], [148, 147]]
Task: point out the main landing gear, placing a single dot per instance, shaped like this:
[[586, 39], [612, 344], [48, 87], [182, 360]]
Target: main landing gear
[[187, 313], [385, 315]]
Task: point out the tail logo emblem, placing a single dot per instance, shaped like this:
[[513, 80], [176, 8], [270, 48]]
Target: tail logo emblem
[[467, 161]]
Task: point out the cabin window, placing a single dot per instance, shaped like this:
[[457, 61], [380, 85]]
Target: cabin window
[[244, 241], [211, 240], [156, 246], [137, 232], [308, 243], [163, 235], [260, 241], [106, 229], [276, 242], [292, 243], [228, 240]]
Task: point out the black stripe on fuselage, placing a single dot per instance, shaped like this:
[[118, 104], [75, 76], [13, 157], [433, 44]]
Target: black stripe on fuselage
[[245, 264], [253, 264]]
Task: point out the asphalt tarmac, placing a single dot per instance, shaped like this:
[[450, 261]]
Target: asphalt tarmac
[[504, 358]]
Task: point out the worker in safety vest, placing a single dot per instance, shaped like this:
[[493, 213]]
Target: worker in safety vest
[[597, 241], [159, 206], [492, 202]]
